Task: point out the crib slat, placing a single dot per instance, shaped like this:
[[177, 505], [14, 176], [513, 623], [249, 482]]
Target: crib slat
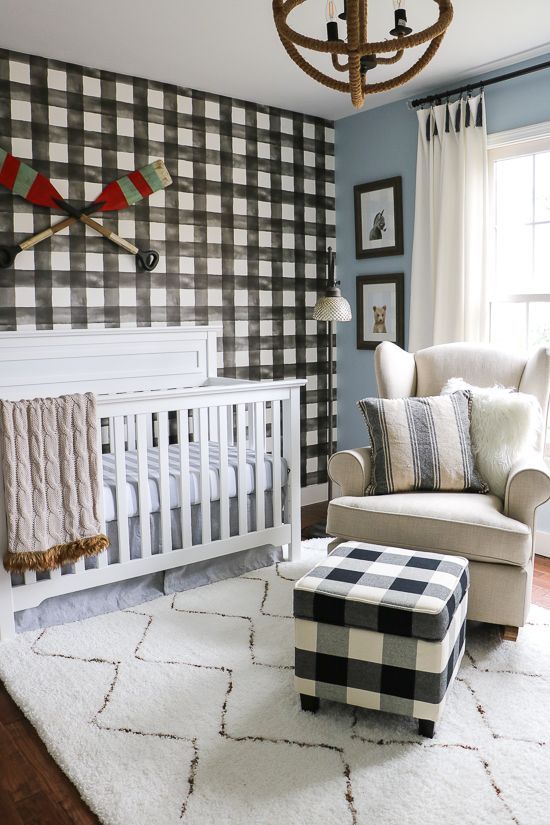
[[164, 483], [251, 425], [79, 567], [291, 452], [144, 493], [185, 492], [103, 558], [276, 462], [121, 499], [259, 448], [29, 576], [213, 424], [224, 463], [205, 476], [241, 469]]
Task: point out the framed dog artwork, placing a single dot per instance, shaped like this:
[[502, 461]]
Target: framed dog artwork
[[378, 218], [380, 310]]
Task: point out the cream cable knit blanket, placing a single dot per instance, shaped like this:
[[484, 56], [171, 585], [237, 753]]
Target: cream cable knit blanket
[[51, 482]]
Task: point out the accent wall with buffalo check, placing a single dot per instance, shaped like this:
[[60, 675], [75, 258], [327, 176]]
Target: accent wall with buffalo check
[[242, 232]]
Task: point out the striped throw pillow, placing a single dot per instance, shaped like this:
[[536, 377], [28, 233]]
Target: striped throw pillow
[[421, 444]]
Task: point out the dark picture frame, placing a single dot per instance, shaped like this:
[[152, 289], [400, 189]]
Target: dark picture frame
[[378, 218], [380, 304]]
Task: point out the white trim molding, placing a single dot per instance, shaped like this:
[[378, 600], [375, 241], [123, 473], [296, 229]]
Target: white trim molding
[[542, 543], [537, 131], [314, 494]]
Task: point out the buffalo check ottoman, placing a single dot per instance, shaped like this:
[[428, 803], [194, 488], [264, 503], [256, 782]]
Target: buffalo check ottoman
[[381, 628]]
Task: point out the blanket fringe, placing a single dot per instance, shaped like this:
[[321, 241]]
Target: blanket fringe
[[57, 556]]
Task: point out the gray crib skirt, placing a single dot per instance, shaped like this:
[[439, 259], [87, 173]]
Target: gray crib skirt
[[72, 607]]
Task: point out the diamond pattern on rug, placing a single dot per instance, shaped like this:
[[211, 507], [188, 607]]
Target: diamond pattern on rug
[[273, 641], [508, 719], [269, 782], [275, 714], [277, 598], [241, 597], [207, 639], [149, 697], [183, 710], [113, 642], [390, 772], [166, 776], [516, 771]]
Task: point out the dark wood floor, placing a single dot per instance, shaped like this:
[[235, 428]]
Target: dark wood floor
[[34, 791], [541, 582]]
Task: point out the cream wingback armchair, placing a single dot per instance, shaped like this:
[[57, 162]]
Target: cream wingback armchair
[[497, 536]]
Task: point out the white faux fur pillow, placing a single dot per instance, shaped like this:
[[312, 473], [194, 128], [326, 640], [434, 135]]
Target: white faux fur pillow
[[504, 425]]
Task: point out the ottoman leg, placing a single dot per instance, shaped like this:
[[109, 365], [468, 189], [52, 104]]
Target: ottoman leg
[[310, 703], [426, 728]]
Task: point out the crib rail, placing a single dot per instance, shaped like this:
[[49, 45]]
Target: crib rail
[[248, 430]]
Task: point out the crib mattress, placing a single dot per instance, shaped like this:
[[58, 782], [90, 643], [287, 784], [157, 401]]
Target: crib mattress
[[109, 482]]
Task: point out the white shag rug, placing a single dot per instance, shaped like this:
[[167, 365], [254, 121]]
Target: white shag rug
[[182, 710]]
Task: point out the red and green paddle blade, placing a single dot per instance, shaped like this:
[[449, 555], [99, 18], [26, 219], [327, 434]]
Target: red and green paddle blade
[[134, 187], [22, 180], [26, 182]]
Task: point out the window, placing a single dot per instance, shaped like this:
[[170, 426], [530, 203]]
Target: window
[[519, 240]]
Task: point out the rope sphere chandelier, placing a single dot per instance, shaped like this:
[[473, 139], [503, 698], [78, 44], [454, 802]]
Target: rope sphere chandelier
[[355, 55]]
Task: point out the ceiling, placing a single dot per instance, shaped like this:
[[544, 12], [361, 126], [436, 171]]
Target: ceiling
[[232, 48]]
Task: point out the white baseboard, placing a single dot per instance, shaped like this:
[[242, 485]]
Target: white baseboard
[[314, 494], [542, 543]]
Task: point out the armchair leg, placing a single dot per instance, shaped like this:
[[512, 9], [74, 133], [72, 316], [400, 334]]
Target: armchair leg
[[510, 633]]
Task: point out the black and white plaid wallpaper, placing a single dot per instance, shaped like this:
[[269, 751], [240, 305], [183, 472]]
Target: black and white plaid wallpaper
[[242, 232]]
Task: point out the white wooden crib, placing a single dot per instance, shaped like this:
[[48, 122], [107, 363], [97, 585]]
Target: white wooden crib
[[148, 381]]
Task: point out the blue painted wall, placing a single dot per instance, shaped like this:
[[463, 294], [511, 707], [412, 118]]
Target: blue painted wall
[[382, 143]]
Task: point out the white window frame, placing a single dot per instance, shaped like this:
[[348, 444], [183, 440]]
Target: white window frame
[[512, 143]]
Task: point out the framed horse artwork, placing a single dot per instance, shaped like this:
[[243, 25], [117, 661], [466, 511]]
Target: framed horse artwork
[[378, 218]]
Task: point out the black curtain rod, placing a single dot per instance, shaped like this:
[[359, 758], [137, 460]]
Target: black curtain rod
[[469, 87]]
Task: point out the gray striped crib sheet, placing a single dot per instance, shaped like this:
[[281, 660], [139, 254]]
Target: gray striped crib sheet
[[131, 460]]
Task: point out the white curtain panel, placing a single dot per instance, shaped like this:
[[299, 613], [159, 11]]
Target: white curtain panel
[[449, 272]]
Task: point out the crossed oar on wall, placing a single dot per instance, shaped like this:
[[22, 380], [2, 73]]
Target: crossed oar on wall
[[35, 188]]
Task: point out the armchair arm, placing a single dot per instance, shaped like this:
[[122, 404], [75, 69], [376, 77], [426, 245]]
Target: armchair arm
[[528, 487], [351, 470]]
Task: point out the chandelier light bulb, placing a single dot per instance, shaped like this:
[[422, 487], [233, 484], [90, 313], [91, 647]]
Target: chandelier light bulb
[[400, 16], [331, 12], [332, 21]]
